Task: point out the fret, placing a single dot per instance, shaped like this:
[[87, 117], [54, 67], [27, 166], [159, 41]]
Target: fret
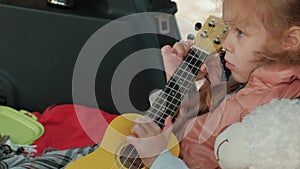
[[160, 120], [168, 101], [157, 108], [183, 82], [159, 116], [183, 73], [154, 115]]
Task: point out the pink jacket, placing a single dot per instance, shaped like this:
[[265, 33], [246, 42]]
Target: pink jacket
[[265, 84]]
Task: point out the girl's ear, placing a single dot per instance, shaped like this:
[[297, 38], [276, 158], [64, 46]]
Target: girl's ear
[[292, 39]]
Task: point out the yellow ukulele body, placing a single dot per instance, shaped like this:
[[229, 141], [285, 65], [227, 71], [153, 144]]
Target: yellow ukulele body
[[108, 154]]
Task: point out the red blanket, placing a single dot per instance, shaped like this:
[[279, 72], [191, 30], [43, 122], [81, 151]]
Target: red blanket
[[70, 126]]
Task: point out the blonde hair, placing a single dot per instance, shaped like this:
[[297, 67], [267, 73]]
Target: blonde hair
[[277, 16]]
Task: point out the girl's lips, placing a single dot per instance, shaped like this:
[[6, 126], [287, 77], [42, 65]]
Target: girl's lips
[[229, 65]]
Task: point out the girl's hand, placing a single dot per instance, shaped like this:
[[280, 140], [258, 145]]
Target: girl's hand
[[148, 139], [173, 56]]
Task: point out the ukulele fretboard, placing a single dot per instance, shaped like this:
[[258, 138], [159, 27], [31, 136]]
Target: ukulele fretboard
[[168, 101]]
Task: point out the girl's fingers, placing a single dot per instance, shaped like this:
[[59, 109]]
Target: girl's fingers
[[168, 122], [166, 49], [145, 127], [150, 147], [190, 42], [202, 72], [181, 48], [168, 126]]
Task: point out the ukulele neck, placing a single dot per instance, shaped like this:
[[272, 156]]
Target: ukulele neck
[[169, 99]]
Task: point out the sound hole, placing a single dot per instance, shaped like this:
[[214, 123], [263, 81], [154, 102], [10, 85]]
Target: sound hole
[[130, 158]]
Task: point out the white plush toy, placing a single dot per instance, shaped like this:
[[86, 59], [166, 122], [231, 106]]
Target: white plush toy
[[267, 138]]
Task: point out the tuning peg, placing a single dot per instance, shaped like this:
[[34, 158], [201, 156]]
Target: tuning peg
[[198, 26], [217, 41], [212, 23], [190, 36], [204, 34]]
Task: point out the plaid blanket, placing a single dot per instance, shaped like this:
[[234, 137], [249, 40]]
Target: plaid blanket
[[51, 159]]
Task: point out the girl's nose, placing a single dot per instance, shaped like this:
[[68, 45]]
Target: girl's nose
[[227, 44]]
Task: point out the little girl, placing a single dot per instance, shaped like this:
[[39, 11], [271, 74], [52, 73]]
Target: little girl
[[262, 52]]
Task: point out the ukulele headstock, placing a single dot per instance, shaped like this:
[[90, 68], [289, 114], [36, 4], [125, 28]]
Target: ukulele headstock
[[211, 35]]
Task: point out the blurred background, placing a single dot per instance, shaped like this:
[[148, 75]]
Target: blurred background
[[40, 43]]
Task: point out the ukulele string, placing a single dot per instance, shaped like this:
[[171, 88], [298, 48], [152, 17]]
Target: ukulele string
[[173, 101], [179, 78], [207, 45], [154, 119], [135, 158], [129, 155], [161, 101], [202, 43], [161, 109]]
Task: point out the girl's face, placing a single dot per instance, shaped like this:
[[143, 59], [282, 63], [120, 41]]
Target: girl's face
[[245, 37]]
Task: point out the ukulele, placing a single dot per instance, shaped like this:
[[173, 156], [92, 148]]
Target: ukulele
[[114, 152]]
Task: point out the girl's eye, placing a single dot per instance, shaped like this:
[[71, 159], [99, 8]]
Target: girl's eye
[[240, 33]]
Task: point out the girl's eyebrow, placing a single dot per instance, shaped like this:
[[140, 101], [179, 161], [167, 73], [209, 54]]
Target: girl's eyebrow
[[228, 22]]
